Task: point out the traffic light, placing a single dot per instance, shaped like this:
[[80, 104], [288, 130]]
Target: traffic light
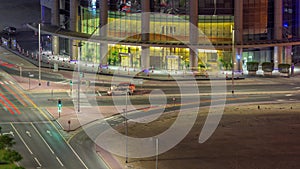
[[71, 82], [59, 103]]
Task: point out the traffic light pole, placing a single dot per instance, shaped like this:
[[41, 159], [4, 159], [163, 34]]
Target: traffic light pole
[[59, 106]]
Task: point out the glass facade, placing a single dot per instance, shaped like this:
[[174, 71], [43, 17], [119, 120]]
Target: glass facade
[[215, 21], [125, 21]]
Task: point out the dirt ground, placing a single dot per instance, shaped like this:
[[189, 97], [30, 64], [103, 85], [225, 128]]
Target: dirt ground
[[246, 138]]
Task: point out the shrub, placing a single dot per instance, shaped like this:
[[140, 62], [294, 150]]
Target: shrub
[[267, 66], [284, 68], [252, 66]]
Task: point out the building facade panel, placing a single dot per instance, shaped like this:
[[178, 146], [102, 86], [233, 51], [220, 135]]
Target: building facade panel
[[253, 22]]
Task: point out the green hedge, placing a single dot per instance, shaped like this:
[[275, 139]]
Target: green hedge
[[267, 66], [252, 66]]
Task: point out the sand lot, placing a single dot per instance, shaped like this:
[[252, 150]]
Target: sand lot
[[246, 138]]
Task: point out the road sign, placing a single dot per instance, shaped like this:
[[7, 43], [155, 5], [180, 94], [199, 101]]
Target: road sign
[[137, 81]]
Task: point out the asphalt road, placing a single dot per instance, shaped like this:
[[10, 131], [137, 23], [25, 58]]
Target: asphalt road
[[41, 144], [37, 137]]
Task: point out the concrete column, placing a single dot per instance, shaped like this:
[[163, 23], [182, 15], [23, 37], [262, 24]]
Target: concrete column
[[73, 27], [278, 20], [145, 20], [55, 45], [145, 58], [238, 60], [103, 15], [103, 53], [238, 34], [277, 57], [298, 17], [55, 13], [238, 21], [194, 34], [74, 15], [74, 49], [43, 17], [55, 22], [288, 55], [62, 19], [277, 33]]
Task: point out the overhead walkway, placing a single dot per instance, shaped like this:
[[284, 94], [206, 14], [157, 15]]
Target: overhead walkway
[[64, 33]]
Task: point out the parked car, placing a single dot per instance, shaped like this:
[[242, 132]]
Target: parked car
[[9, 30], [121, 89]]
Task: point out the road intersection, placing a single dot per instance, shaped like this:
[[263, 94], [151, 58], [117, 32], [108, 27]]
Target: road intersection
[[42, 136]]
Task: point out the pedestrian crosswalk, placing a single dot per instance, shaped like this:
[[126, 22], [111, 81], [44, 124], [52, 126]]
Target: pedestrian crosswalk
[[6, 82]]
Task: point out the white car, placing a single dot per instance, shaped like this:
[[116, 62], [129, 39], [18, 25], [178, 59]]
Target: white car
[[121, 89], [9, 30]]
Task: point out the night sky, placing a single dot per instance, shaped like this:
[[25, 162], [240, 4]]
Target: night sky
[[17, 13]]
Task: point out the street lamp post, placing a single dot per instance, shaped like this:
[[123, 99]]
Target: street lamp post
[[20, 68], [233, 55], [157, 151], [29, 76], [39, 54], [79, 76], [126, 129]]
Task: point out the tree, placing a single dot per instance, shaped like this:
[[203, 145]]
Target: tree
[[7, 155], [6, 141], [12, 156]]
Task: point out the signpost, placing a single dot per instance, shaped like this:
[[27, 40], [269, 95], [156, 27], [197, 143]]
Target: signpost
[[29, 76]]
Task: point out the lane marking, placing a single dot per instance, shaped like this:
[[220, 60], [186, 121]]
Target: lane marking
[[59, 161], [38, 161], [6, 106], [21, 138], [28, 133], [10, 103], [49, 132], [51, 122], [42, 138], [16, 95]]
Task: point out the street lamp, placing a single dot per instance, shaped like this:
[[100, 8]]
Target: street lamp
[[39, 54], [80, 44], [29, 76], [233, 56], [20, 68], [126, 128], [126, 134]]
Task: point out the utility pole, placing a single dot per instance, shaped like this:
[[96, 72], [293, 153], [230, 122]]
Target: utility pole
[[39, 54], [233, 55]]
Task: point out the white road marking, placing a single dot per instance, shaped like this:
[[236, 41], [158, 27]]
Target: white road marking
[[59, 161], [11, 82], [21, 138], [6, 82], [77, 155], [42, 138], [9, 133], [49, 132], [37, 161], [288, 95], [28, 133], [1, 83]]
